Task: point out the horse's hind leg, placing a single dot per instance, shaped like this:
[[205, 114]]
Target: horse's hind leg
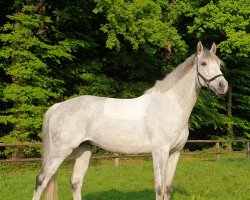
[[80, 168], [49, 169]]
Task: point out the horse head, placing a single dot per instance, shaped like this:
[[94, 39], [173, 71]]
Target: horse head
[[209, 74]]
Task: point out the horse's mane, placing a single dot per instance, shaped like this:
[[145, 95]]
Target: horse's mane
[[173, 78]]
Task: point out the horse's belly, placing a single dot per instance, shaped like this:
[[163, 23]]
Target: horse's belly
[[122, 136], [121, 146]]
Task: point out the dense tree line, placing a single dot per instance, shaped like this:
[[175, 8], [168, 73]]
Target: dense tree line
[[54, 50]]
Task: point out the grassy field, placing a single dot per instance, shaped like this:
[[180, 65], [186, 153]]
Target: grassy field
[[227, 179]]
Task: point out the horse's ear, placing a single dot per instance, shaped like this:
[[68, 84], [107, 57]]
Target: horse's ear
[[213, 48], [199, 48]]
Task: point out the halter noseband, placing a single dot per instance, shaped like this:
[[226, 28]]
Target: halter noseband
[[206, 81]]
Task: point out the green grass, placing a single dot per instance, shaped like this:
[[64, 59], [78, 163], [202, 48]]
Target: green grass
[[227, 179]]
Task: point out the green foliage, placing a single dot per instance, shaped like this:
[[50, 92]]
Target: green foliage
[[132, 90], [29, 61], [98, 85], [208, 111], [227, 22], [139, 22], [115, 48]]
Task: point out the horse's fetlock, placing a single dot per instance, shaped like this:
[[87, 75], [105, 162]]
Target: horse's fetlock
[[169, 190], [75, 184], [158, 190], [39, 180]]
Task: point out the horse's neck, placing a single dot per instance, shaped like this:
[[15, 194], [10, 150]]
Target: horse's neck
[[186, 92]]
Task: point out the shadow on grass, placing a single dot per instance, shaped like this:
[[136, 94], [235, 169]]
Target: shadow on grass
[[139, 195]]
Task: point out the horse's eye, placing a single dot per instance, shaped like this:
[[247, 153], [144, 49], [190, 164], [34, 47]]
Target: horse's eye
[[203, 63]]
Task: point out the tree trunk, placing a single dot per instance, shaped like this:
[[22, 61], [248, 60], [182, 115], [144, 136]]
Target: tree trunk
[[41, 9], [229, 114], [17, 153]]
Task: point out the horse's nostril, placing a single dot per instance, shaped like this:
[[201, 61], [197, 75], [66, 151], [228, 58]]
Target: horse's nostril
[[221, 85]]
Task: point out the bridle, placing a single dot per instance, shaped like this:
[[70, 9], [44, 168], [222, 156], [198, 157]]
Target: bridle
[[206, 81]]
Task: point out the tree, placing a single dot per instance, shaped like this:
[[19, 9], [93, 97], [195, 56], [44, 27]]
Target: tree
[[227, 23], [30, 64], [55, 50]]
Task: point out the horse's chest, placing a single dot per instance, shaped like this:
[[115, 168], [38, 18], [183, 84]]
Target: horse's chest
[[166, 117], [180, 141]]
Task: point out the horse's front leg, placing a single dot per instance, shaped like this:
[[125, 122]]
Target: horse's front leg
[[172, 163], [160, 161]]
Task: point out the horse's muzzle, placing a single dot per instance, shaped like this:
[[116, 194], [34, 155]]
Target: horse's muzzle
[[223, 87]]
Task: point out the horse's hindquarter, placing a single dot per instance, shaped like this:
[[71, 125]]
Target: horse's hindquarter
[[70, 120]]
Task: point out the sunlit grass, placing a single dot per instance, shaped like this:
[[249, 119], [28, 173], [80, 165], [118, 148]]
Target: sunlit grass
[[227, 179]]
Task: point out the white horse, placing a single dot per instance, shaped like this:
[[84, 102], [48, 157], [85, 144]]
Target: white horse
[[155, 122]]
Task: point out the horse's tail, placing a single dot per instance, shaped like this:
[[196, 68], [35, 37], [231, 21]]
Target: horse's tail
[[51, 189]]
